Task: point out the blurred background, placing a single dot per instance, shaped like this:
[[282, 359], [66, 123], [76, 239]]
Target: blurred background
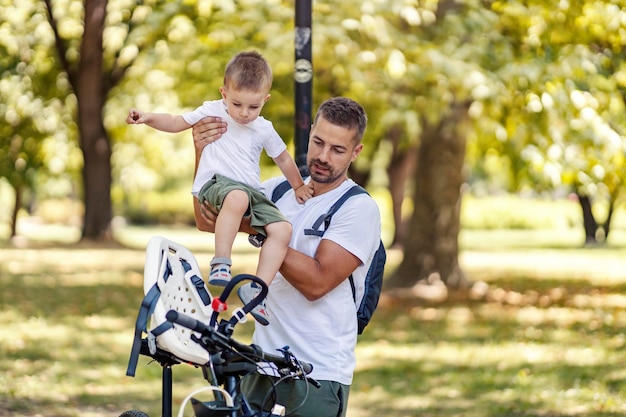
[[468, 101], [495, 149]]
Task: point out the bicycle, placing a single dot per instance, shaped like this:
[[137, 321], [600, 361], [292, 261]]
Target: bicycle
[[229, 360]]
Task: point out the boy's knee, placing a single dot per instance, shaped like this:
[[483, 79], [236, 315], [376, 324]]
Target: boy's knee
[[236, 198], [279, 231]]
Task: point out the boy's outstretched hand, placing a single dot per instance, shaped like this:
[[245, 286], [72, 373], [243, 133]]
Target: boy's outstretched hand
[[134, 117]]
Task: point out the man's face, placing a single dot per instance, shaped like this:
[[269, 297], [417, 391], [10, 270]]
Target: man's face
[[331, 151]]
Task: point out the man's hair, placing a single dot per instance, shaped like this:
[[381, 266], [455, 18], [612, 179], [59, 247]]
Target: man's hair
[[248, 71], [344, 112]]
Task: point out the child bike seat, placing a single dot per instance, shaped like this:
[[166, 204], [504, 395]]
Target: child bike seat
[[172, 281]]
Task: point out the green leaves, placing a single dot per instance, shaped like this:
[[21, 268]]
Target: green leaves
[[525, 67]]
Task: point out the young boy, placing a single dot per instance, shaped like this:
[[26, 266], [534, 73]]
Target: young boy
[[228, 174]]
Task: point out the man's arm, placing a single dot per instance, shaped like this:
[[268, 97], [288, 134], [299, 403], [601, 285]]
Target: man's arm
[[207, 130], [317, 276], [314, 276], [204, 222]]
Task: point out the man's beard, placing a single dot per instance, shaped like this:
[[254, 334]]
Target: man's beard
[[331, 177]]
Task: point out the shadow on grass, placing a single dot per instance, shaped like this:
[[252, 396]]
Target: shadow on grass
[[549, 350], [67, 318], [533, 346]]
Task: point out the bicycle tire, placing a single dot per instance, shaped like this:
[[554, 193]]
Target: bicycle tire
[[134, 413]]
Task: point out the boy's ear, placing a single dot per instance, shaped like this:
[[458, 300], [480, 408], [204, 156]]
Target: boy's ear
[[267, 98], [223, 92]]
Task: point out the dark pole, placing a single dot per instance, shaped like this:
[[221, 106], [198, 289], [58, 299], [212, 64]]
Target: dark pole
[[303, 76]]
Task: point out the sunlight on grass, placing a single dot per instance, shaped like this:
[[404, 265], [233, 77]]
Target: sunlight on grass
[[68, 317], [601, 267], [514, 378], [546, 340], [534, 347]]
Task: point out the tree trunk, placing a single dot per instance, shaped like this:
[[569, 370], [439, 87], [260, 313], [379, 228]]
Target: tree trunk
[[607, 224], [589, 221], [91, 93], [359, 176], [431, 248], [16, 209], [400, 169]]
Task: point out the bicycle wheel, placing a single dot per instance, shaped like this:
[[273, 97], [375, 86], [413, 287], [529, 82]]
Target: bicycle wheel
[[134, 413]]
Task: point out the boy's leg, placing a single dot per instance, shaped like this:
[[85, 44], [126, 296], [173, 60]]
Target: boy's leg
[[228, 220], [273, 253], [234, 206], [274, 250]]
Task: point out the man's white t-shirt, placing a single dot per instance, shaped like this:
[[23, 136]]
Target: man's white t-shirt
[[237, 153], [322, 332]]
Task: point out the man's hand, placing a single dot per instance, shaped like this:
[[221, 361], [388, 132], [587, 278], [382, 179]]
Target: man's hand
[[208, 130], [209, 216]]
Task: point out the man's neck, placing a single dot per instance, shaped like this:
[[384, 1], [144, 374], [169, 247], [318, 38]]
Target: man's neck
[[322, 188]]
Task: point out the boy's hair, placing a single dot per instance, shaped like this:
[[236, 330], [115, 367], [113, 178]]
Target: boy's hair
[[248, 71], [344, 112]]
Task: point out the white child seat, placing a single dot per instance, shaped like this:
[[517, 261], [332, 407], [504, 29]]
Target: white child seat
[[172, 281]]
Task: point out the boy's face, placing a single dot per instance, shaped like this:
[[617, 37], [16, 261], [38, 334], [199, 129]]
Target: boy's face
[[243, 105]]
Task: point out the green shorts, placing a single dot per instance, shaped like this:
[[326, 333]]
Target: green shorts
[[261, 210], [330, 400]]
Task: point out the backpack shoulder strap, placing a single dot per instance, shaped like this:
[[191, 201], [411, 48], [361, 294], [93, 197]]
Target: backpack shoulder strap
[[147, 306], [325, 218], [280, 190]]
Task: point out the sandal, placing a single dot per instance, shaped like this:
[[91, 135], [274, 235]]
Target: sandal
[[220, 272]]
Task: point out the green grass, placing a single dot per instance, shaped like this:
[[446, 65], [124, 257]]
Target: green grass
[[545, 340]]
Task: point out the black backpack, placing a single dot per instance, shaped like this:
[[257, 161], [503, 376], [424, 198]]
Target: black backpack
[[374, 277]]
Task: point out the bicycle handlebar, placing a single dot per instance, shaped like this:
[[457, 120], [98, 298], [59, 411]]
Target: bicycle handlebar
[[280, 361], [224, 341], [174, 316]]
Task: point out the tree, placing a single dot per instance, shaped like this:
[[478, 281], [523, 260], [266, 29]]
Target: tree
[[435, 67], [406, 63], [562, 126], [98, 42], [497, 62], [31, 110], [497, 56], [431, 249], [93, 69]]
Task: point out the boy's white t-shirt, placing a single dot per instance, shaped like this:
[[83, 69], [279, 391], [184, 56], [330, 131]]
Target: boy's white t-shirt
[[237, 153], [322, 332]]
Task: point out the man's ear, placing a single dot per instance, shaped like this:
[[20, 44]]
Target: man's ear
[[357, 150]]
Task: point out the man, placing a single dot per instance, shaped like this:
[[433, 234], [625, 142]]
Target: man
[[310, 301]]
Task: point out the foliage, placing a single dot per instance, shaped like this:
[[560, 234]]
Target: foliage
[[148, 161], [398, 58], [545, 83], [36, 153], [560, 123], [170, 207]]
